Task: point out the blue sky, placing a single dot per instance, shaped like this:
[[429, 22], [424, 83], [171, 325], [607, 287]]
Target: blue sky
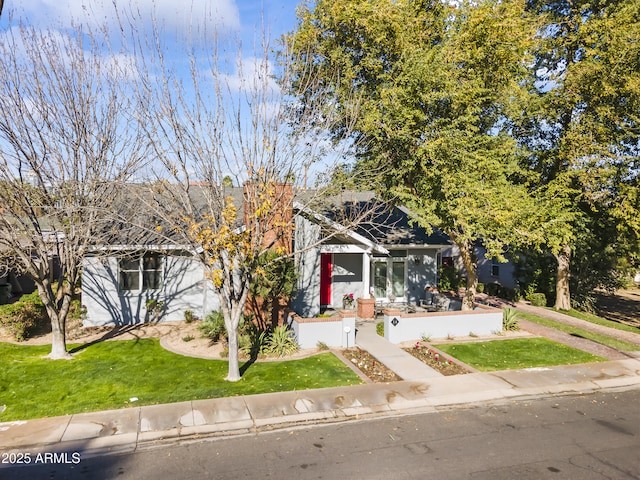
[[242, 17], [186, 26], [235, 20]]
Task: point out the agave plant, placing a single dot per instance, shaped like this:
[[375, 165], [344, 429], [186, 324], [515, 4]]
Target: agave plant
[[281, 342], [510, 319]]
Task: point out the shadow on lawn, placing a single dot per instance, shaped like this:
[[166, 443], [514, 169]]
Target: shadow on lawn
[[111, 334], [245, 366], [621, 307]]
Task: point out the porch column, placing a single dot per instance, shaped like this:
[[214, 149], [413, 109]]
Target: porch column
[[366, 274]]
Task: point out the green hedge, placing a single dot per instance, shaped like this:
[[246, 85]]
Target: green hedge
[[537, 299], [22, 317]]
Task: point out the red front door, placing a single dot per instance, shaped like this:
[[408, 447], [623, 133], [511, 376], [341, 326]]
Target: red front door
[[325, 278]]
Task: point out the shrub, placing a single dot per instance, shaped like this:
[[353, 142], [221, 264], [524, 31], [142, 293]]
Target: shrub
[[252, 341], [480, 287], [449, 279], [154, 309], [22, 317], [537, 299], [322, 346], [510, 319], [189, 316], [281, 343], [492, 289], [380, 328], [584, 303], [76, 310], [213, 327], [512, 294]]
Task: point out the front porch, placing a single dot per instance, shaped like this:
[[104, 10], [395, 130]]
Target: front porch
[[398, 277]]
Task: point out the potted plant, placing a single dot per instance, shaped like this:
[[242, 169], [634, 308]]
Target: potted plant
[[348, 301]]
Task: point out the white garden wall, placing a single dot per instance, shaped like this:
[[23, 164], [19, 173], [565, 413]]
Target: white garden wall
[[338, 331], [401, 327]]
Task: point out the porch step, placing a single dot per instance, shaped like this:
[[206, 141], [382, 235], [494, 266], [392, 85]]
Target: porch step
[[405, 365]]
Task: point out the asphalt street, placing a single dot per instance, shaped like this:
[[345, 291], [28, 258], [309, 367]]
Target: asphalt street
[[583, 436]]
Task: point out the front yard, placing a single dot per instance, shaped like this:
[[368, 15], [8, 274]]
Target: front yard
[[124, 373], [516, 353]]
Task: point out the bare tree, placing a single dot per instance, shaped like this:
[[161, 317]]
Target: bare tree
[[67, 145], [229, 121]]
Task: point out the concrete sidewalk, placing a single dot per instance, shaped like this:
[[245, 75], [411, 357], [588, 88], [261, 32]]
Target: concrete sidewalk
[[406, 366], [127, 430]]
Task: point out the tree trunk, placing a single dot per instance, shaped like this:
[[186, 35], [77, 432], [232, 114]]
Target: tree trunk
[[470, 262], [58, 319], [563, 295], [58, 339], [233, 375], [232, 320]]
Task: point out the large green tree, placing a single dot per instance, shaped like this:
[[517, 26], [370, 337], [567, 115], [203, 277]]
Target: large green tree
[[582, 131], [435, 85]]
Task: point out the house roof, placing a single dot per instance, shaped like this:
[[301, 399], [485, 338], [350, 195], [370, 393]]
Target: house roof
[[355, 217], [373, 222], [393, 226], [144, 212]]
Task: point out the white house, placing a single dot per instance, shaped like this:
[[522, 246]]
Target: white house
[[382, 253]]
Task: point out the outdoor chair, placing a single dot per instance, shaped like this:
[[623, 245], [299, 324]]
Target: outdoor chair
[[442, 303]]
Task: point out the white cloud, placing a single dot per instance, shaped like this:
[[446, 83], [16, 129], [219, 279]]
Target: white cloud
[[174, 17], [252, 74], [120, 66], [60, 48]]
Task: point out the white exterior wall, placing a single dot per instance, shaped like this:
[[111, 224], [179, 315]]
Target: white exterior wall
[[346, 277], [422, 271], [482, 321], [306, 299], [183, 287]]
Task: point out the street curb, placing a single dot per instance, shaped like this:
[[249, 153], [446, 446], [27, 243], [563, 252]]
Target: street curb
[[144, 427]]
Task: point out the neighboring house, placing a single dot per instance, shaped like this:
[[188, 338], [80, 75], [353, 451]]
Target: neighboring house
[[489, 270], [354, 246], [141, 278], [121, 290]]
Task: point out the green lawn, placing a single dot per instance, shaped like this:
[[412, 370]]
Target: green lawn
[[516, 353], [580, 332], [590, 317], [106, 375]]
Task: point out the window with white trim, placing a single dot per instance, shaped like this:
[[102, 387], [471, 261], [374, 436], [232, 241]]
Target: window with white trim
[[389, 276], [142, 273]]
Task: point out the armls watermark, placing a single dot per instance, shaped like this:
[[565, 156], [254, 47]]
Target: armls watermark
[[52, 458]]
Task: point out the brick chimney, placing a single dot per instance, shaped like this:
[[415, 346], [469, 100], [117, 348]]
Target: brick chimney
[[276, 228], [276, 222]]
